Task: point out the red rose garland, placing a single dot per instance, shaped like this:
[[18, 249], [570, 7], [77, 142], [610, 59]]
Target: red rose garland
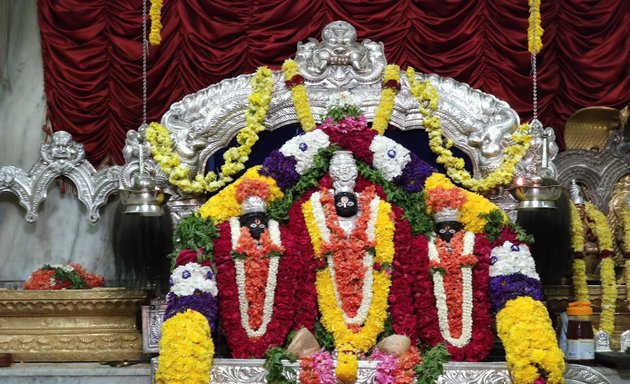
[[240, 344]]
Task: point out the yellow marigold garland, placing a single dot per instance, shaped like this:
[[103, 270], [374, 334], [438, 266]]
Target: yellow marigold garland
[[299, 96], [425, 93], [388, 94], [535, 27], [235, 157], [626, 249], [155, 36], [471, 210], [224, 205], [580, 287], [530, 341], [332, 316], [600, 228], [186, 350]]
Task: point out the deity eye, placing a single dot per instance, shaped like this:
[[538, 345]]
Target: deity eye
[[253, 225], [442, 230], [350, 203], [261, 225], [451, 231]]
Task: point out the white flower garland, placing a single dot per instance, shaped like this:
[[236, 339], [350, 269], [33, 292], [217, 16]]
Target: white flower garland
[[509, 259], [389, 157], [186, 279], [304, 148], [467, 293], [270, 288], [368, 258]]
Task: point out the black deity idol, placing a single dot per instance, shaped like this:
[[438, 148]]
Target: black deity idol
[[346, 204], [447, 229], [256, 222]]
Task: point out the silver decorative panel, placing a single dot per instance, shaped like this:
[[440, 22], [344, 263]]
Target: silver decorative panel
[[240, 371]]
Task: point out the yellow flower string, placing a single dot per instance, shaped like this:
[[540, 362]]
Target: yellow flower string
[[186, 350], [347, 342], [391, 84], [472, 210], [224, 205], [535, 27], [155, 36], [626, 248], [235, 157], [426, 94], [530, 342], [580, 287], [391, 79], [601, 230], [299, 96]]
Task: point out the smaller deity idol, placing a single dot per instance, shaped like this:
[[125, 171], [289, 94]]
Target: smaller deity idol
[[254, 276], [451, 263]]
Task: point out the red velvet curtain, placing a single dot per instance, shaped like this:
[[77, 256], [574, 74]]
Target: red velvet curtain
[[93, 54]]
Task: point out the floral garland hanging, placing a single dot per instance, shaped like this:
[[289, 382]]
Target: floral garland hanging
[[374, 230], [155, 36], [626, 250], [253, 325], [427, 97], [295, 82], [580, 286], [535, 30], [235, 157], [600, 228]]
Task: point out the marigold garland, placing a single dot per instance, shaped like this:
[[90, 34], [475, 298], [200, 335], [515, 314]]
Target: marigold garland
[[580, 287], [224, 204], [155, 36], [391, 85], [427, 96], [235, 157], [530, 342], [626, 250], [535, 30], [186, 350], [600, 228], [298, 93]]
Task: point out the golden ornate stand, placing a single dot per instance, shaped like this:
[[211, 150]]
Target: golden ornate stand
[[71, 325]]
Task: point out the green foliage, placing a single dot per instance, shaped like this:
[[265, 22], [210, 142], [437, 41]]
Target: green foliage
[[495, 221], [412, 204], [194, 232], [324, 338], [432, 365], [340, 112], [279, 210], [76, 281], [274, 367]]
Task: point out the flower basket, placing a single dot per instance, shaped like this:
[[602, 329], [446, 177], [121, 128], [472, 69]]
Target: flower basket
[[71, 325]]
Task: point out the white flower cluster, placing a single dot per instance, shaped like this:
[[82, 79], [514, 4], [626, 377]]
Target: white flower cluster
[[390, 158], [342, 99], [304, 148], [509, 259], [190, 277]]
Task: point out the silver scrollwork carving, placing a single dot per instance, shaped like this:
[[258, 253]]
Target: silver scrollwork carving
[[240, 371]]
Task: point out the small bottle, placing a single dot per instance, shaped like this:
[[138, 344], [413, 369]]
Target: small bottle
[[580, 338]]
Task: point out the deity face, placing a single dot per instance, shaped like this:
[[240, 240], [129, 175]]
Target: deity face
[[346, 204], [447, 229], [61, 145], [256, 222]]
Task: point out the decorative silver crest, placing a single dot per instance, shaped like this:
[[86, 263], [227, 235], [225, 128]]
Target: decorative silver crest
[[602, 342]]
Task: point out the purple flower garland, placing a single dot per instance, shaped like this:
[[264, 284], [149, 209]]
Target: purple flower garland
[[507, 287], [202, 302]]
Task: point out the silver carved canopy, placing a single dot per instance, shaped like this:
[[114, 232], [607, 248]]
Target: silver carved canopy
[[202, 123]]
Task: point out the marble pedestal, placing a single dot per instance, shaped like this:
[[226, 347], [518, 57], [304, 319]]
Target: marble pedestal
[[74, 373]]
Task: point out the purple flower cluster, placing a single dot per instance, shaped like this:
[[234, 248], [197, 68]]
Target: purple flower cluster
[[508, 287], [414, 174], [281, 168], [202, 302]]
